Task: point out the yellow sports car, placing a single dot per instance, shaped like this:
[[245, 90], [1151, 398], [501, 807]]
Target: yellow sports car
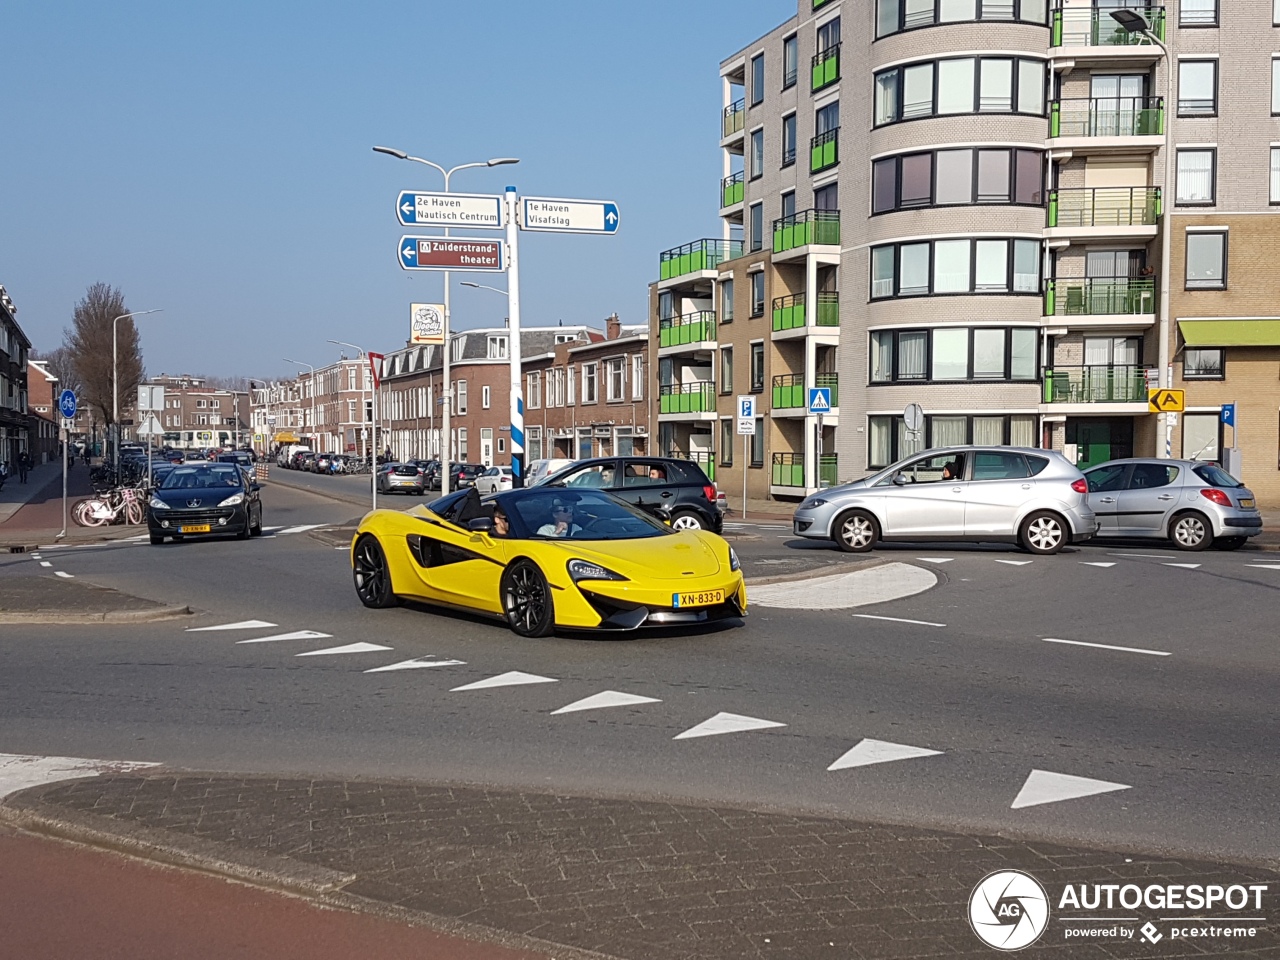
[[543, 558]]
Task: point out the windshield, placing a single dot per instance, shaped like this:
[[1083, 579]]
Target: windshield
[[1216, 476], [203, 477], [578, 515]]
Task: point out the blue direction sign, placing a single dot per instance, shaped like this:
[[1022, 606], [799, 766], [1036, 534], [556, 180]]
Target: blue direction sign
[[569, 216], [449, 210], [819, 399], [67, 404]]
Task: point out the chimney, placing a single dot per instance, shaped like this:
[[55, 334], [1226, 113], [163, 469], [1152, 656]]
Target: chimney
[[612, 327]]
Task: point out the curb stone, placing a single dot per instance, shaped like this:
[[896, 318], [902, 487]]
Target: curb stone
[[110, 616]]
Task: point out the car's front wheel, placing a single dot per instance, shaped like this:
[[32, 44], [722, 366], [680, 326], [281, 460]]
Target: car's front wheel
[[1191, 531], [526, 600], [1043, 533], [372, 574], [856, 531], [686, 520]]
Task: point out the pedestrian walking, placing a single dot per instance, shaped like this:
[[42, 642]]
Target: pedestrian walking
[[24, 464]]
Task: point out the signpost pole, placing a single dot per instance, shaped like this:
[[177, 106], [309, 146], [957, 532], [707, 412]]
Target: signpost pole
[[66, 438], [746, 458], [513, 339]]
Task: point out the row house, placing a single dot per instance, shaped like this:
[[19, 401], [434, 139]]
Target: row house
[[326, 408], [14, 351], [42, 407], [197, 415]]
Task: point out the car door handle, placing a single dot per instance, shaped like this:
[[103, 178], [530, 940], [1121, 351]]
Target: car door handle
[[666, 494], [1107, 500], [1165, 496], [1026, 486], [957, 489]]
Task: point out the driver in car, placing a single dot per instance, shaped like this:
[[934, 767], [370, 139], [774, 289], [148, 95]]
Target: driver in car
[[561, 524]]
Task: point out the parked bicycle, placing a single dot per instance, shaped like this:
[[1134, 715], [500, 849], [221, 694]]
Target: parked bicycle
[[122, 504]]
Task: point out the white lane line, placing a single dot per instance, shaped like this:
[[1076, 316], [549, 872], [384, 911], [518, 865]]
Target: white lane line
[[922, 623], [1184, 566], [65, 576], [1043, 786], [45, 563], [868, 752], [239, 625], [359, 647], [609, 698], [418, 664], [513, 678], [726, 723], [35, 556], [1086, 563], [295, 635], [1144, 556], [936, 559], [1107, 646]]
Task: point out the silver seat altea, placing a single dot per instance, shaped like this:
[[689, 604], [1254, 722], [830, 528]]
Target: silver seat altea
[[1013, 494]]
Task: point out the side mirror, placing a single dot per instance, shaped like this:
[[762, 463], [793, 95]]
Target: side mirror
[[255, 487], [899, 479], [480, 525]]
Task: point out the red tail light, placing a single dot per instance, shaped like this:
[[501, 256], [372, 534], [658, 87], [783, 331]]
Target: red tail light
[[709, 492], [1080, 486], [1217, 496]]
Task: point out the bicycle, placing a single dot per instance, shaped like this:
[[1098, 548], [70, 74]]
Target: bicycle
[[121, 503]]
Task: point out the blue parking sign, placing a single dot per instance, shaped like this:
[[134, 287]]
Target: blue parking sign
[[1229, 414]]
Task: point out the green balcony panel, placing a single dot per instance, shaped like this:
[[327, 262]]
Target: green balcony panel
[[1104, 207], [823, 153], [827, 470], [825, 68], [731, 190], [806, 227], [829, 307], [1100, 296], [1095, 27], [1095, 384], [696, 256]]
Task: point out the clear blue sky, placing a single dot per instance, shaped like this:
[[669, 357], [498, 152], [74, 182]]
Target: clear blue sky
[[213, 159]]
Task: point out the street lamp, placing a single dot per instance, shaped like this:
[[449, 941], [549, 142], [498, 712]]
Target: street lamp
[[115, 376], [483, 286], [372, 447], [447, 386], [314, 428], [1133, 22]]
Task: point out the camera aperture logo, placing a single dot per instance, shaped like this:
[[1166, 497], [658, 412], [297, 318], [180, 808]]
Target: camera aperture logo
[[1009, 910]]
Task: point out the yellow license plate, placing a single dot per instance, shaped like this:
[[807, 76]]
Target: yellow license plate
[[1246, 502], [194, 528], [704, 598]]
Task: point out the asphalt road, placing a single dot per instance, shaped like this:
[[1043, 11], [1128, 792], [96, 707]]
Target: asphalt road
[[1183, 716]]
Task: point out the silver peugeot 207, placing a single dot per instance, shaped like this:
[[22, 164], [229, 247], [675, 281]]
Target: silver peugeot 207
[[1021, 495]]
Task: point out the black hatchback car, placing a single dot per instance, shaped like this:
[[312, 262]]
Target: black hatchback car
[[662, 486], [205, 499]]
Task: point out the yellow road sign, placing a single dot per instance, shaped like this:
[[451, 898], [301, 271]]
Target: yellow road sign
[[1166, 401]]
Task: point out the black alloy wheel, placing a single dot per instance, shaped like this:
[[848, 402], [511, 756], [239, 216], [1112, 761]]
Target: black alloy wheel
[[526, 600], [372, 575], [255, 529]]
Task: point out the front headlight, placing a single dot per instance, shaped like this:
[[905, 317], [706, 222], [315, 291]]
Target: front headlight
[[158, 504], [734, 563], [232, 500], [810, 504], [586, 570]]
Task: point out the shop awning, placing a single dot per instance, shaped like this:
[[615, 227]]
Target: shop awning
[[286, 438], [1230, 333]]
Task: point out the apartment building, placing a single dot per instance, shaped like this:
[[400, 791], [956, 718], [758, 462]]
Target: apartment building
[[197, 415], [15, 349], [45, 420], [960, 204], [324, 407]]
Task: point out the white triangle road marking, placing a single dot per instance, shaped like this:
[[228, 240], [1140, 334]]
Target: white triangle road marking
[[936, 559], [1264, 566], [417, 664], [513, 678], [1184, 566], [301, 528], [296, 635], [867, 752], [18, 771], [1042, 786], [1016, 563], [239, 625], [1086, 563], [45, 563], [610, 698], [726, 723], [360, 647], [64, 576]]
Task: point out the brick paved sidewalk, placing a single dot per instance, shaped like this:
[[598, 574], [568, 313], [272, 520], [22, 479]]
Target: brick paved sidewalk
[[638, 880]]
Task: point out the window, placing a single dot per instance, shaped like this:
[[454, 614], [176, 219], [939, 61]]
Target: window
[[462, 444], [1275, 85], [757, 79], [757, 227], [726, 370], [756, 157], [827, 118], [964, 85], [637, 377], [757, 444], [788, 204], [727, 435], [533, 390], [1275, 171], [888, 440], [757, 294], [926, 268], [615, 376], [726, 301], [1198, 88], [790, 61], [1198, 13], [497, 348], [757, 367], [570, 388], [954, 353], [1202, 364], [1207, 260], [828, 35], [788, 140], [893, 16], [1200, 436], [460, 394], [590, 389], [200, 404]]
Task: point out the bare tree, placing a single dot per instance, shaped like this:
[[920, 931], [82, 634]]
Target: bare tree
[[60, 364], [89, 343]]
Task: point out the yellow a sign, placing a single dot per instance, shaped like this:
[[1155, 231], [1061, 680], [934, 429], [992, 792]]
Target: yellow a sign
[[1166, 401]]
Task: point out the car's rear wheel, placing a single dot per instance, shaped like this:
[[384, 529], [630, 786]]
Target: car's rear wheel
[[526, 600], [686, 520], [256, 529], [1229, 543], [1191, 531], [856, 531], [1043, 532], [372, 575]]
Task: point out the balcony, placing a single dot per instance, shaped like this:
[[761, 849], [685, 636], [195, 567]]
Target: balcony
[[789, 313], [806, 228], [825, 68], [696, 257], [696, 328], [1100, 297], [1104, 213], [707, 461], [1091, 37], [790, 392], [732, 118], [1096, 384], [824, 151], [731, 190], [687, 398], [788, 470], [1107, 124]]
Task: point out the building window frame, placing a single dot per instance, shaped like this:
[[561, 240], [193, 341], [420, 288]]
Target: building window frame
[[894, 165], [1198, 20], [789, 140], [615, 376], [756, 225], [590, 383], [891, 373], [1204, 363], [1020, 11], [1010, 288], [755, 154], [728, 431], [757, 366], [1200, 107], [726, 370], [1275, 171], [757, 294], [726, 300], [1209, 283], [893, 82], [894, 423], [485, 396], [757, 80], [1179, 154], [637, 376], [790, 61], [757, 444]]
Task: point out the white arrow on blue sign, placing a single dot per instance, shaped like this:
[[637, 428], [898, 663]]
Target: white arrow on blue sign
[[819, 399], [569, 216], [449, 210], [67, 404]]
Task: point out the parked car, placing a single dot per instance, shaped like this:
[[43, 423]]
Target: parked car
[[238, 457], [1036, 498], [301, 459], [430, 472], [401, 478], [665, 487], [205, 499], [537, 471], [495, 480], [1192, 503], [323, 463], [463, 475]]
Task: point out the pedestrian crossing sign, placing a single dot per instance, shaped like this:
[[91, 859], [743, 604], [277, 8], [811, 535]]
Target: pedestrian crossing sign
[[819, 399]]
